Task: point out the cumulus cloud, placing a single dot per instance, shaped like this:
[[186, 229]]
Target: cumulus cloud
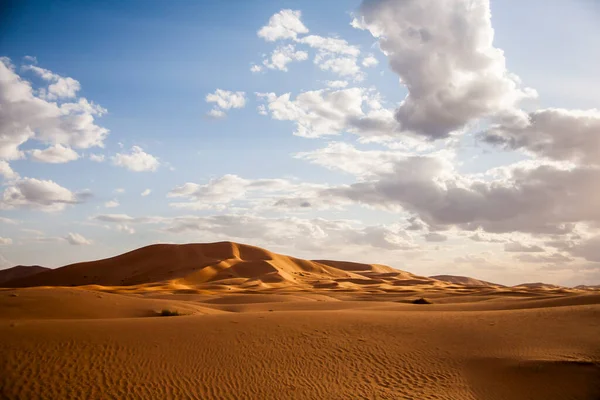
[[333, 54], [6, 171], [286, 24], [557, 134], [76, 239], [525, 197], [283, 55], [446, 59], [57, 154], [344, 157], [225, 100], [221, 191], [61, 87], [330, 45], [27, 115], [146, 193], [324, 112], [369, 61], [44, 195], [137, 160]]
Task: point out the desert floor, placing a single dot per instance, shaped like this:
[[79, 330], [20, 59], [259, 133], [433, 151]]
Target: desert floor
[[98, 343]]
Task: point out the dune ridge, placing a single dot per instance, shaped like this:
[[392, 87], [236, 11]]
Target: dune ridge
[[20, 271], [222, 266]]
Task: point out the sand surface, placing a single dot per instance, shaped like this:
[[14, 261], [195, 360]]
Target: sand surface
[[274, 327]]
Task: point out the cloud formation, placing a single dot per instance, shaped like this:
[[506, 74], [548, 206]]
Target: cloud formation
[[44, 195], [27, 114], [443, 53], [225, 100], [137, 160], [285, 24], [76, 239], [56, 154]]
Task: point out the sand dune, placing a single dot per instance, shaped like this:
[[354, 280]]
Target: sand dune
[[221, 266], [258, 325], [464, 280], [20, 271]]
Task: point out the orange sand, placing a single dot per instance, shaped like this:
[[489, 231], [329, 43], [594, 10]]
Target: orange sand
[[259, 325]]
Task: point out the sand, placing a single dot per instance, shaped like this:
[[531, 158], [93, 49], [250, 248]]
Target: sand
[[338, 331]]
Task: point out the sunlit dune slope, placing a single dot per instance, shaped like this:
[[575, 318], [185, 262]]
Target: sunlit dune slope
[[223, 263], [464, 280]]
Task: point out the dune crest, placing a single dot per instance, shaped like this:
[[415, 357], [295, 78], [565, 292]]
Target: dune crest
[[220, 265]]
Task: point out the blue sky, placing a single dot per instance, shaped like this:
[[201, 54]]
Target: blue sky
[[411, 189]]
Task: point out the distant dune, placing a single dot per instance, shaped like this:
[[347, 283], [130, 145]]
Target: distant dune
[[20, 271], [223, 265], [464, 280]]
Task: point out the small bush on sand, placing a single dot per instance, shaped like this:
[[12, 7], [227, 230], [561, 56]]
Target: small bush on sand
[[169, 313], [421, 301]]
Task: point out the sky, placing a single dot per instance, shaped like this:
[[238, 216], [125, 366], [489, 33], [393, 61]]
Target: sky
[[458, 137]]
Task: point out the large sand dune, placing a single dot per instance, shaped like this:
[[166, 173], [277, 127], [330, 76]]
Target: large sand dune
[[259, 325], [20, 271]]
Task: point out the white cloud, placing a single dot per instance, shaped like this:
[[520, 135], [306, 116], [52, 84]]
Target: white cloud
[[77, 240], [137, 160], [285, 24], [146, 192], [558, 134], [525, 197], [345, 67], [259, 195], [369, 61], [6, 171], [347, 158], [25, 116], [446, 59], [337, 84], [221, 191], [44, 195], [97, 157], [256, 68], [332, 112], [283, 55], [216, 114], [60, 88], [329, 45], [225, 100], [111, 204], [56, 154], [5, 241]]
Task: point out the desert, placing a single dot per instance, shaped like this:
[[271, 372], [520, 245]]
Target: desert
[[252, 324]]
